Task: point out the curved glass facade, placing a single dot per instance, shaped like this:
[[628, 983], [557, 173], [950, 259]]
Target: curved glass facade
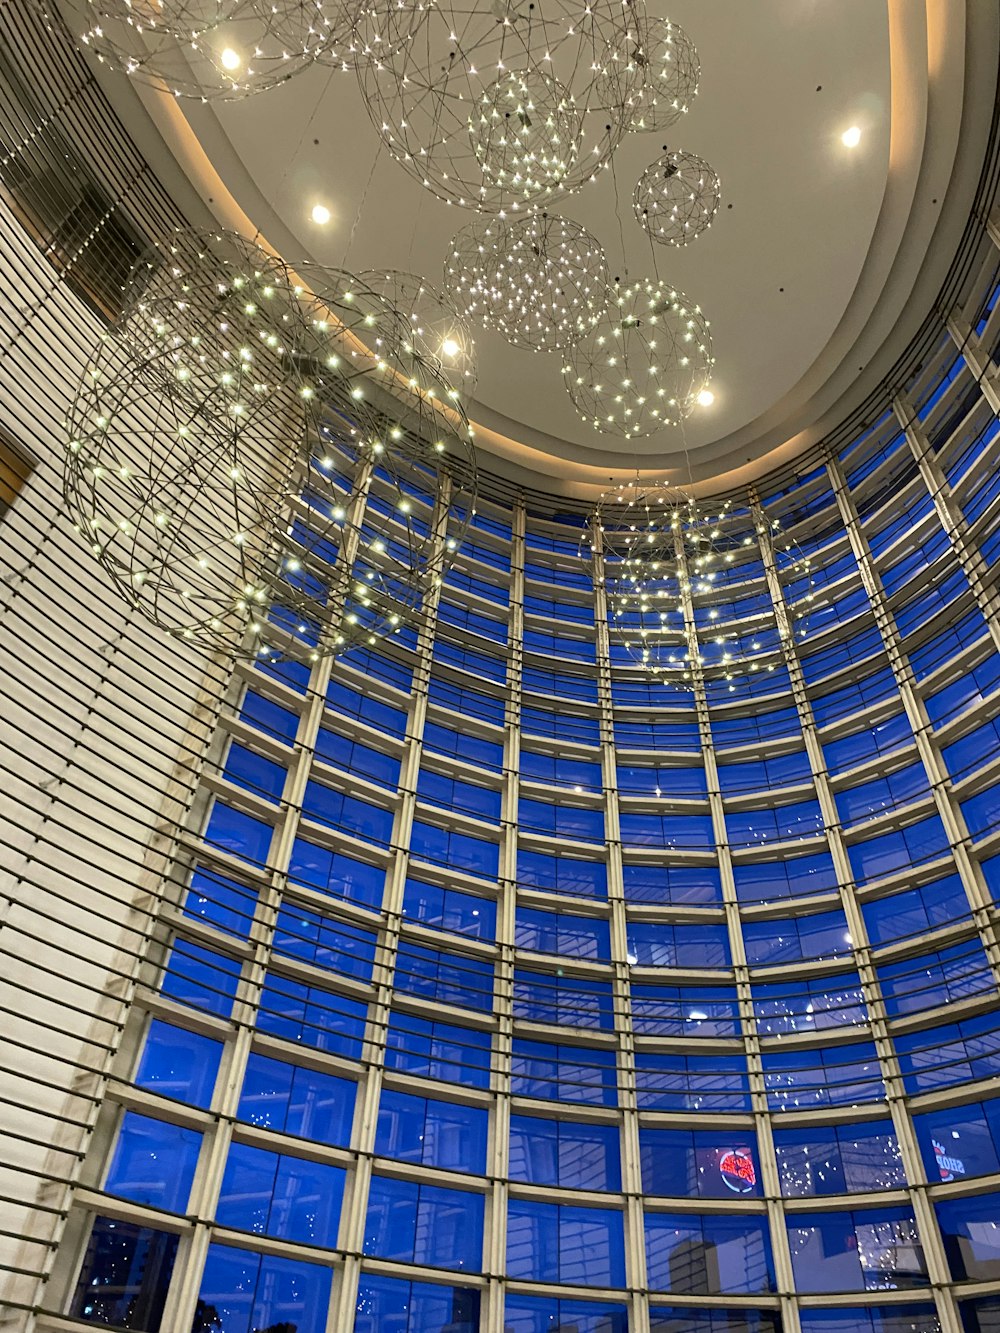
[[489, 986], [505, 989]]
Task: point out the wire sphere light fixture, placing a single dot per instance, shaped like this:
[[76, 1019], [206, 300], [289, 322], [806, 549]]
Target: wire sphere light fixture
[[497, 107], [644, 362], [539, 281], [676, 198], [677, 573], [257, 471], [672, 73], [199, 49], [436, 331]]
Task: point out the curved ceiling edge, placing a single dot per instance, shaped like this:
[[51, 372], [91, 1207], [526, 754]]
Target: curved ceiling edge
[[936, 143]]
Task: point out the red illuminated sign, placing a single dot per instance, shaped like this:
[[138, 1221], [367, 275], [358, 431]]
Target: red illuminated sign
[[737, 1170]]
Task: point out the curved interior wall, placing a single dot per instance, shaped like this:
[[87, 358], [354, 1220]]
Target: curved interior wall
[[473, 982]]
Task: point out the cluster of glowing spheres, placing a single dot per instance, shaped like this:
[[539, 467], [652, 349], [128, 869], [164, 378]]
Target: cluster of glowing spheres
[[675, 573], [643, 363], [671, 75], [676, 198], [539, 281], [500, 106], [255, 463]]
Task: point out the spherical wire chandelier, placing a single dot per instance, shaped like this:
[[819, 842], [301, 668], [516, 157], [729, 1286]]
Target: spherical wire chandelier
[[498, 107], [255, 464], [643, 363], [676, 572], [676, 198], [437, 331], [671, 75], [539, 281], [213, 51]]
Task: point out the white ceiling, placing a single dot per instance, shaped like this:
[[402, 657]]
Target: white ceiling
[[788, 275]]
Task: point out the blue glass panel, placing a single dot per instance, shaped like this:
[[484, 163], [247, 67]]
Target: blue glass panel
[[424, 1224], [829, 1076], [867, 1250], [439, 847], [564, 1153], [387, 1305], [178, 1063], [585, 1075], [555, 769], [471, 749], [450, 909], [699, 1163], [562, 874], [125, 1274], [560, 933], [446, 978], [898, 850], [658, 944], [677, 1082], [220, 901], [549, 1314], [354, 757], [799, 876], [438, 1050], [201, 977], [685, 1011], [982, 1316], [914, 911], [569, 1002], [849, 752], [275, 1195], [382, 716], [961, 1141], [311, 1016], [335, 946], [816, 1004], [279, 722], [153, 1162], [251, 1293], [691, 1319], [252, 771], [431, 1132], [347, 813], [672, 884], [291, 673], [910, 1318], [239, 834], [336, 874], [838, 1159], [453, 794], [563, 821], [970, 1229], [809, 938], [673, 831], [708, 1255], [294, 1099], [559, 1243]]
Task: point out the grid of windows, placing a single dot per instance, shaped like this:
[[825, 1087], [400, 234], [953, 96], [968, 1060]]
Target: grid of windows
[[509, 992], [529, 949]]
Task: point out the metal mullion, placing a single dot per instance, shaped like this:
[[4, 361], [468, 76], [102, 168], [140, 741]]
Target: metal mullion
[[350, 1237], [748, 1020], [636, 1276], [927, 1226], [984, 370], [498, 1164]]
